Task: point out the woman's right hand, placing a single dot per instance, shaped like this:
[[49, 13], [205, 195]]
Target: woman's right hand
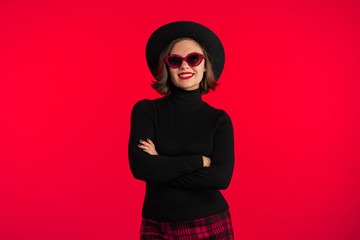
[[206, 161]]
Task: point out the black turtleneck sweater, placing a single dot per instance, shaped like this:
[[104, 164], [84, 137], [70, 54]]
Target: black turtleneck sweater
[[183, 129]]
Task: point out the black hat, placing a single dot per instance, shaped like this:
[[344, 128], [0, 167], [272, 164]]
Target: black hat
[[171, 31]]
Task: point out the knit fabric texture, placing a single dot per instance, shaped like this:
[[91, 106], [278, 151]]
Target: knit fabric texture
[[183, 128]]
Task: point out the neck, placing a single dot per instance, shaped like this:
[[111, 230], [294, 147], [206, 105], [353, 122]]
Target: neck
[[182, 96]]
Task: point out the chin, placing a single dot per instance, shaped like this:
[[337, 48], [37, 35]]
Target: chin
[[188, 87], [185, 85]]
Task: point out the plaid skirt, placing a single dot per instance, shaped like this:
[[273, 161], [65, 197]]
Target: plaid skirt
[[215, 227]]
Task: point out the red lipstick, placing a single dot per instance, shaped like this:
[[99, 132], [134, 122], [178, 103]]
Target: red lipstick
[[185, 75]]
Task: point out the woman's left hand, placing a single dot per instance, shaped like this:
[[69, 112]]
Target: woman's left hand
[[148, 146]]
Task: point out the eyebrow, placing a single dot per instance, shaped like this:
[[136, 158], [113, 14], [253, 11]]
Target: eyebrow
[[186, 54]]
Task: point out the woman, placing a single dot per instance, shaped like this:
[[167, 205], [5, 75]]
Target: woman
[[179, 145]]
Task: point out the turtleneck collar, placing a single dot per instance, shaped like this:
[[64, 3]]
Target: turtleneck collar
[[191, 97]]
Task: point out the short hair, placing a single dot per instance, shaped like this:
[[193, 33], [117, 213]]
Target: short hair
[[163, 83]]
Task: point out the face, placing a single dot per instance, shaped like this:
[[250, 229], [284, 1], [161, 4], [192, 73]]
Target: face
[[186, 77]]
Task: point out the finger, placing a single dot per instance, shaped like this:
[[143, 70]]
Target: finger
[[150, 152], [148, 145], [151, 142], [144, 146], [141, 146], [145, 143], [147, 148]]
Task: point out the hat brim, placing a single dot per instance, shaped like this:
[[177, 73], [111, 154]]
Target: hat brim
[[160, 38]]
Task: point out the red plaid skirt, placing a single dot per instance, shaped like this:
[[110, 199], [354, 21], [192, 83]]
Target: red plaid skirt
[[215, 227]]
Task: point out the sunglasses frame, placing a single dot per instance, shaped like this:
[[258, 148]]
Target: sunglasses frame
[[185, 59]]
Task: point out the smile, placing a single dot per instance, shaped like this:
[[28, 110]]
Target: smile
[[186, 75]]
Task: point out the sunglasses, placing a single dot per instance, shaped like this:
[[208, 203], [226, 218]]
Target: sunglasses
[[192, 59]]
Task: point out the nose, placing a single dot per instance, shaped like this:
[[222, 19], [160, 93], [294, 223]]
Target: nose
[[184, 65]]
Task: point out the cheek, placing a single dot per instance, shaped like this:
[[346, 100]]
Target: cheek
[[201, 67], [173, 73], [200, 71], [201, 76]]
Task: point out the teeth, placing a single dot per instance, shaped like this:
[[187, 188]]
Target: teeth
[[185, 75]]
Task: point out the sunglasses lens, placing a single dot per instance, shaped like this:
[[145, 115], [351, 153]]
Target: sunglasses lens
[[194, 60], [174, 62]]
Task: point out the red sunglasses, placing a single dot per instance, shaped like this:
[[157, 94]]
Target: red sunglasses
[[192, 59]]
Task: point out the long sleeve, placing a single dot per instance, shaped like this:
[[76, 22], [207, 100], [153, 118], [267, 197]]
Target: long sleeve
[[154, 168], [218, 175]]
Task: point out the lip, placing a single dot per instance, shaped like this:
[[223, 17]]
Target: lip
[[183, 73]]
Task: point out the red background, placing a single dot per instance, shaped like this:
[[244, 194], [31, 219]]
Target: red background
[[71, 71]]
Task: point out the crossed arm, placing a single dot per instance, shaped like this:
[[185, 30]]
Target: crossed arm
[[187, 171], [149, 147]]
